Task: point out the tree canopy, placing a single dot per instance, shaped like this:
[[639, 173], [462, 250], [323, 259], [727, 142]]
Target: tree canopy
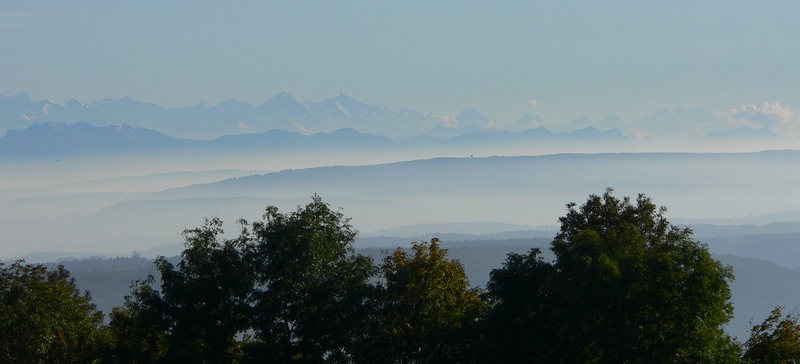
[[776, 340], [45, 319], [427, 312], [626, 286], [288, 288], [311, 287]]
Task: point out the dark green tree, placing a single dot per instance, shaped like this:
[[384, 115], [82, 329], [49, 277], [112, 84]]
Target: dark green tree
[[776, 340], [45, 319], [287, 289], [203, 309], [519, 327], [626, 286], [427, 313], [312, 290], [140, 329]]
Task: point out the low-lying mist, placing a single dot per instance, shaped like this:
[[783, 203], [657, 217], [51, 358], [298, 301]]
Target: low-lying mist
[[122, 203]]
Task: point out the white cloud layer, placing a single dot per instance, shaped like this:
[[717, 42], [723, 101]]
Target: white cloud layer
[[448, 121], [778, 118]]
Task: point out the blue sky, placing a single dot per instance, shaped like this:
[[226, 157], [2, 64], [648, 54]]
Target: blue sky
[[574, 58]]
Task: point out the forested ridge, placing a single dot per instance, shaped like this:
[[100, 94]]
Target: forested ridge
[[624, 286]]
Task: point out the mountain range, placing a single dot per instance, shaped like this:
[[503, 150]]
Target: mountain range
[[205, 121], [56, 140]]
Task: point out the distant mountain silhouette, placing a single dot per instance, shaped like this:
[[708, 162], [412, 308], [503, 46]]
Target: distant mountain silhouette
[[671, 122], [56, 140], [206, 121], [525, 122], [472, 118], [285, 140], [743, 133], [539, 134]]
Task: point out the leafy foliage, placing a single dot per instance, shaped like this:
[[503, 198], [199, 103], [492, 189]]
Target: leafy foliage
[[776, 340], [521, 326], [140, 329], [311, 287], [286, 289], [45, 319], [626, 286], [427, 311], [204, 302]]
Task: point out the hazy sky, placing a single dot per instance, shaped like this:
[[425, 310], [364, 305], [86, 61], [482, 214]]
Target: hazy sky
[[573, 59]]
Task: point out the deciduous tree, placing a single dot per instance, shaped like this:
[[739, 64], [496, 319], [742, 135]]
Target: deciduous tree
[[287, 289], [776, 340], [311, 287], [626, 286], [45, 319], [203, 307], [427, 312]]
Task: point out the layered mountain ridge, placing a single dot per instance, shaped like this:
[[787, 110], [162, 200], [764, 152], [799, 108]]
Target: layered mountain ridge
[[205, 121]]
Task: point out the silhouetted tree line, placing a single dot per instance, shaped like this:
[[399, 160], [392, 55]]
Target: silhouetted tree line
[[626, 286]]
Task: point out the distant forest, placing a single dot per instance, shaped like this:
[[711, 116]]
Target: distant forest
[[618, 283]]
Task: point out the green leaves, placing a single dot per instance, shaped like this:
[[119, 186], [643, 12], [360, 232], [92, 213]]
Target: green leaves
[[308, 281], [776, 340], [44, 318], [287, 288], [626, 286], [427, 311]]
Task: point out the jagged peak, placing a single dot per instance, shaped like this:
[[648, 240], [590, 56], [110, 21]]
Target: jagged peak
[[470, 112], [22, 96], [281, 98], [343, 95], [76, 103]]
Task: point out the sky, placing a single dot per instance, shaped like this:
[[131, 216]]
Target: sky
[[561, 60]]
